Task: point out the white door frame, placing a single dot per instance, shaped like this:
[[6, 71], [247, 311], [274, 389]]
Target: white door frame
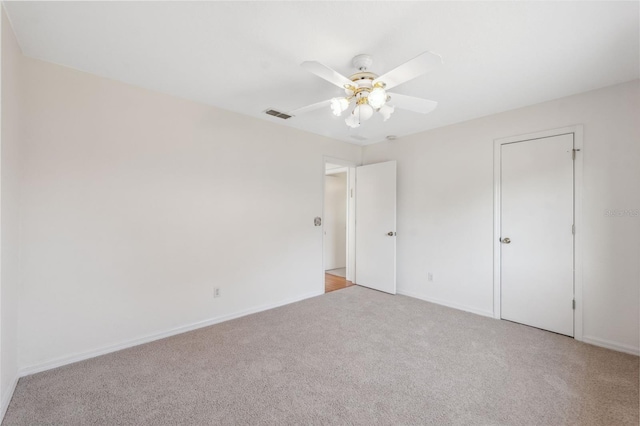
[[577, 131], [351, 216]]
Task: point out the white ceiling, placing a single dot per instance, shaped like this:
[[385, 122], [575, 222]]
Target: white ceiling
[[245, 57]]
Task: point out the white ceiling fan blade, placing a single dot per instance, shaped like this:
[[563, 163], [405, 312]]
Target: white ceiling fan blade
[[311, 107], [412, 103], [417, 66], [327, 73]]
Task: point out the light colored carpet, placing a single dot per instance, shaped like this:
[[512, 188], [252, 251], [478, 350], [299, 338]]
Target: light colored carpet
[[353, 356], [340, 272]]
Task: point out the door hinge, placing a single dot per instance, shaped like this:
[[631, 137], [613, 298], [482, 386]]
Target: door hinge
[[573, 229], [573, 153], [573, 304]]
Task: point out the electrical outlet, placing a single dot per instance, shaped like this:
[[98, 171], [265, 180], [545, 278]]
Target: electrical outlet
[[430, 277], [216, 292]]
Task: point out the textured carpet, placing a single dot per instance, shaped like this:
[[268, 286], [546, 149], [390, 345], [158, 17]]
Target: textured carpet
[[353, 356], [340, 272]]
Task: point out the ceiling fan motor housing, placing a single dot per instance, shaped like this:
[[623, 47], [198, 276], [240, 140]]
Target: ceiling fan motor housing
[[363, 80], [362, 86]]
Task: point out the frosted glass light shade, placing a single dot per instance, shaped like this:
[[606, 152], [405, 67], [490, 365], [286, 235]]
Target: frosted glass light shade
[[377, 98], [363, 112], [386, 112], [352, 121], [338, 105]]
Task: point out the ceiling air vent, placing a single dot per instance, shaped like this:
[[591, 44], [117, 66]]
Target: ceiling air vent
[[358, 137], [278, 114]]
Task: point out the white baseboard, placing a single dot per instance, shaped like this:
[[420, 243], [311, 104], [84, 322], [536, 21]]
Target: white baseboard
[[447, 304], [586, 339], [620, 347], [59, 362], [6, 397]]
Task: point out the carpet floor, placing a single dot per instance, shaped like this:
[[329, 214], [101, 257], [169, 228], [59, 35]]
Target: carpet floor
[[353, 356]]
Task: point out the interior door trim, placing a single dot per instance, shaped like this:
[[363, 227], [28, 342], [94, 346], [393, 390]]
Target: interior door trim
[[577, 131]]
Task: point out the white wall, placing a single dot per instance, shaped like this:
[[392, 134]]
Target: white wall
[[138, 204], [445, 207], [9, 211], [335, 221], [135, 205]]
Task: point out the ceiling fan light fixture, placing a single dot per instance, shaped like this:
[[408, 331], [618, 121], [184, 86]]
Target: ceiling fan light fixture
[[338, 105], [377, 98], [363, 111], [386, 111], [352, 121]]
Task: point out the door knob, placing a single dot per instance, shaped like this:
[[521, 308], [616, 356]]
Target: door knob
[[505, 240], [391, 233]]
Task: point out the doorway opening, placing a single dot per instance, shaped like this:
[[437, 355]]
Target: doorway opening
[[338, 247]]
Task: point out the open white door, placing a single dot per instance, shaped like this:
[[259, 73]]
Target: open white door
[[376, 226]]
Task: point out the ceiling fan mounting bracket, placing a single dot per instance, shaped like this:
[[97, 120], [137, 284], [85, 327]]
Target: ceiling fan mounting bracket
[[362, 62]]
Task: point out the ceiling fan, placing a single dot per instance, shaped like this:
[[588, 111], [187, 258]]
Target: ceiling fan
[[369, 92]]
